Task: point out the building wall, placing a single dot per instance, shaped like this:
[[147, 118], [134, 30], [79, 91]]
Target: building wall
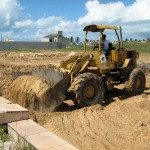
[[54, 39], [45, 40], [64, 40], [31, 45]]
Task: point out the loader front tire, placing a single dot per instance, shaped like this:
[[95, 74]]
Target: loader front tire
[[136, 83], [87, 89]]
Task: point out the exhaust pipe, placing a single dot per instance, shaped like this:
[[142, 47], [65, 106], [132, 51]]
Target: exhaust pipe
[[121, 37]]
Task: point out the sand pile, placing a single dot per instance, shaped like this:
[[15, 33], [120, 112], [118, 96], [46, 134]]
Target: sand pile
[[32, 93]]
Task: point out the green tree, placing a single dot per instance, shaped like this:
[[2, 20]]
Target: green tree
[[77, 39], [71, 39], [131, 40], [135, 40], [126, 40]]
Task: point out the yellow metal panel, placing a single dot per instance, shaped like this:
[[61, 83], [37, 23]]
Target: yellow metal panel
[[96, 28], [114, 55], [103, 65], [122, 55], [68, 62], [112, 65], [126, 62], [118, 56]]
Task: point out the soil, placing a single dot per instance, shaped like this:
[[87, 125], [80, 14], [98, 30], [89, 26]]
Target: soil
[[121, 122]]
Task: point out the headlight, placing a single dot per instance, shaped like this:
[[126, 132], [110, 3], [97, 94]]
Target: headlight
[[91, 56]]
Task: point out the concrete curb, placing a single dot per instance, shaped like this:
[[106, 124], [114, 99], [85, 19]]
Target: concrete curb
[[27, 132], [12, 112], [30, 134]]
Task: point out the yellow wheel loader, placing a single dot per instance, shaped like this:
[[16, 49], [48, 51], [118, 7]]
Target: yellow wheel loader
[[84, 78]]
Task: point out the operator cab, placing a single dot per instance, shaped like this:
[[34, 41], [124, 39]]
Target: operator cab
[[99, 29], [115, 57]]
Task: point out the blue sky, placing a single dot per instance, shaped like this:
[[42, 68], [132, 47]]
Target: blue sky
[[33, 19], [70, 9]]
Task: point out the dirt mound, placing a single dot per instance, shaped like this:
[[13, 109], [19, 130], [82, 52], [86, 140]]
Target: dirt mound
[[33, 93]]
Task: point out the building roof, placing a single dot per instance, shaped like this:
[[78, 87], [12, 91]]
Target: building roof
[[52, 36]]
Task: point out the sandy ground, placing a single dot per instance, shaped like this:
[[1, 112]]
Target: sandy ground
[[122, 123]]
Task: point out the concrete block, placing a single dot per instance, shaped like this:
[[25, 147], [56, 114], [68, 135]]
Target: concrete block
[[45, 140], [4, 101], [29, 133], [26, 127], [18, 138], [64, 147], [12, 112], [11, 108]]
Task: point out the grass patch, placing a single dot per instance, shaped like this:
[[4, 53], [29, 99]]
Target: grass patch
[[74, 48], [139, 46], [3, 135]]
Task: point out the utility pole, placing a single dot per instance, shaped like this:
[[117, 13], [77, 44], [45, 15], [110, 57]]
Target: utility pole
[[1, 37]]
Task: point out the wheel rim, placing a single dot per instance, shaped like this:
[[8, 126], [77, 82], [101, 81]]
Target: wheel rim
[[138, 83], [89, 92]]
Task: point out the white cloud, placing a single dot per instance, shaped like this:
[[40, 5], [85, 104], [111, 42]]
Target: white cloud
[[102, 12], [135, 20], [138, 11], [9, 11], [43, 26], [23, 24], [109, 12]]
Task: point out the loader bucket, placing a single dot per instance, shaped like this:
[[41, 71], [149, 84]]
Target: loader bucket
[[52, 75], [41, 91]]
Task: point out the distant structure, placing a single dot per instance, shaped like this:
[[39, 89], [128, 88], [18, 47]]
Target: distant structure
[[53, 41], [9, 40], [56, 38]]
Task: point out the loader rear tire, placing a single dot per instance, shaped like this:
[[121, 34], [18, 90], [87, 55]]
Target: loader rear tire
[[87, 89], [136, 83]]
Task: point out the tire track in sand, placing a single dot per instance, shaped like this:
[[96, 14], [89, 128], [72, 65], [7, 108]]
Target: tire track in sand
[[120, 125]]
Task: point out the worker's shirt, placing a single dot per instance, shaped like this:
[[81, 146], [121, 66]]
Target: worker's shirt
[[105, 44]]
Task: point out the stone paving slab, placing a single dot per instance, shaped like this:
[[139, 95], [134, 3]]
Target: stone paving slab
[[32, 134], [12, 112]]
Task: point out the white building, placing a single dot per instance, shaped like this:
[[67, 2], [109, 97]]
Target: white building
[[56, 38]]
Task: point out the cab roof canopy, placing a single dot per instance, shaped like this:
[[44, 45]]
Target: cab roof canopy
[[98, 28]]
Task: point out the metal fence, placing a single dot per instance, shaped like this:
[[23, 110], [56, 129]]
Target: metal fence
[[31, 45]]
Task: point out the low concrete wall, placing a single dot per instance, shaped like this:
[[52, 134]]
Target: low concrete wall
[[31, 45]]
